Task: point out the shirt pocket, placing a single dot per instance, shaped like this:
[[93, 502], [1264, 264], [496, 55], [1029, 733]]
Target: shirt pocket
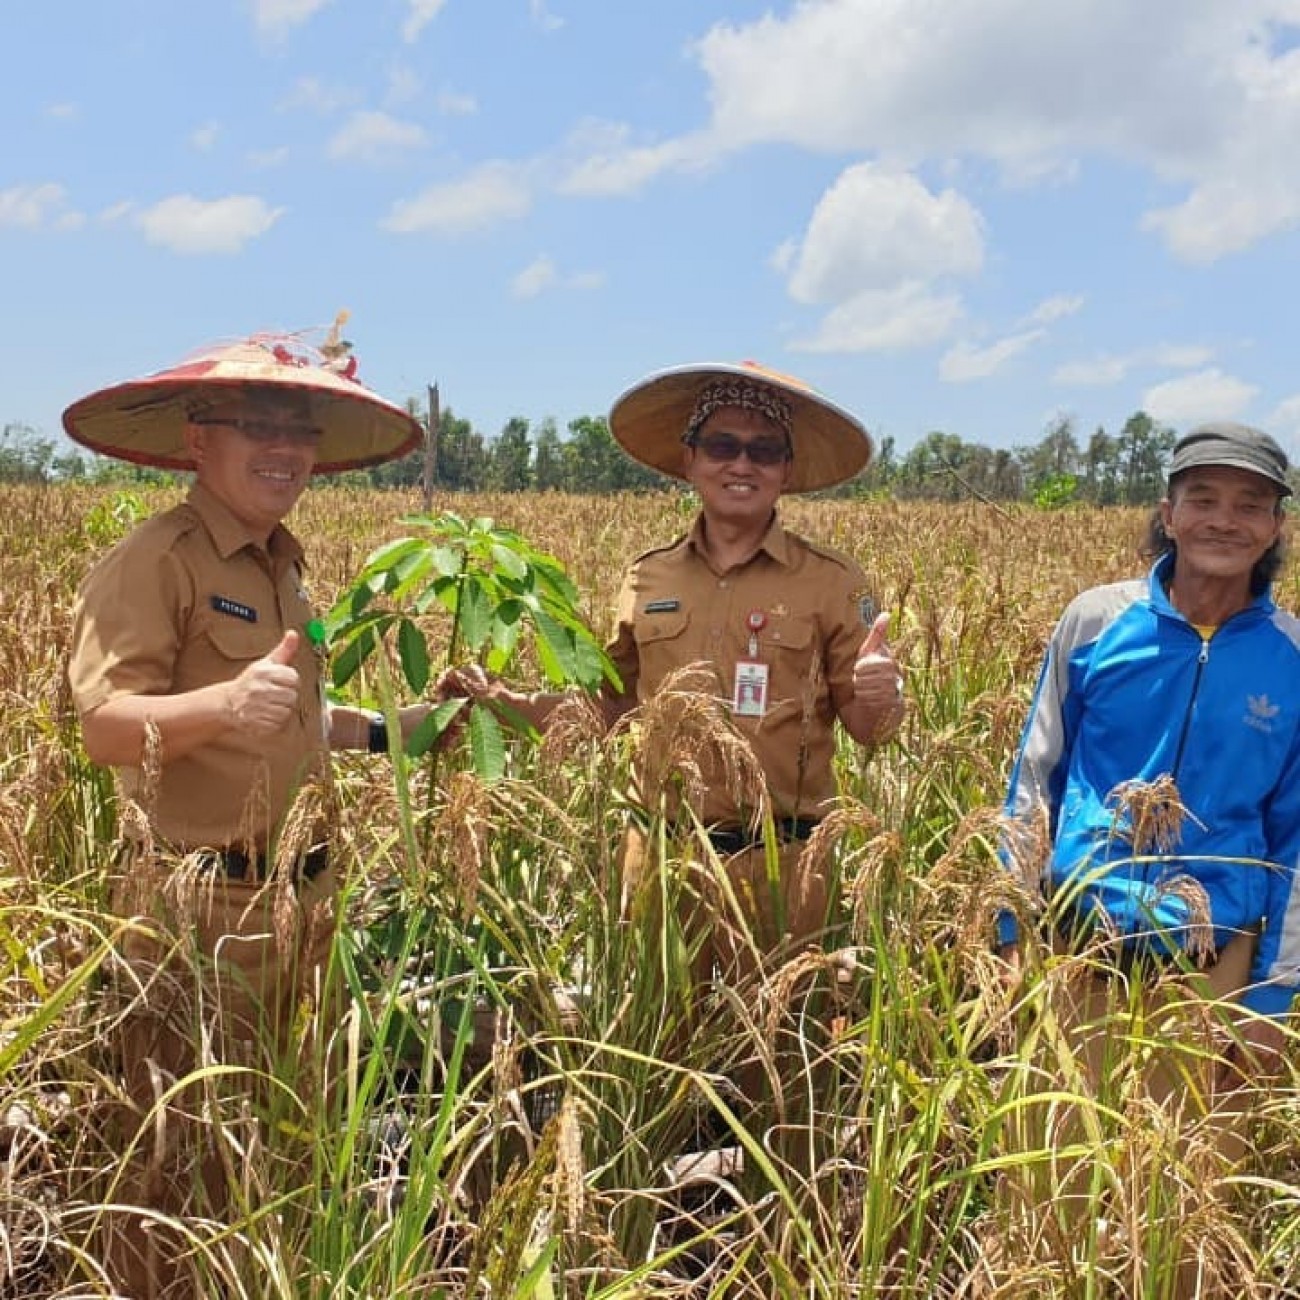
[[239, 642], [790, 649], [663, 645], [790, 636]]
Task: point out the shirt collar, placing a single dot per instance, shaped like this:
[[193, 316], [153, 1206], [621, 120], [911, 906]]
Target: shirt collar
[[776, 541], [229, 535]]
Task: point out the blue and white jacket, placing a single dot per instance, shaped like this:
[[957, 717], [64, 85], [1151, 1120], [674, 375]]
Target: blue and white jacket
[[1130, 690]]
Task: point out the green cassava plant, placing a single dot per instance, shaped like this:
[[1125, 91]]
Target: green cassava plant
[[502, 594]]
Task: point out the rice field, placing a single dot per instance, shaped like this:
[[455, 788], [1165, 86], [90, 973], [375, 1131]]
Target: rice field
[[514, 1091]]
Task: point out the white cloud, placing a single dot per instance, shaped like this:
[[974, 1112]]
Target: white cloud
[[539, 275], [907, 316], [1227, 214], [204, 137], [269, 158], [1058, 307], [1208, 98], [604, 162], [542, 16], [33, 206], [276, 18], [455, 103], [542, 274], [420, 13], [1205, 395], [1111, 368], [964, 361], [64, 112], [374, 137], [1095, 372], [188, 225], [404, 84], [1284, 423], [493, 192], [1177, 356], [316, 96], [876, 228], [877, 247]]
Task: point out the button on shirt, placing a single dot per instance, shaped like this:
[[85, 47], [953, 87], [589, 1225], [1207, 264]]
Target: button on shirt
[[674, 609], [189, 599]]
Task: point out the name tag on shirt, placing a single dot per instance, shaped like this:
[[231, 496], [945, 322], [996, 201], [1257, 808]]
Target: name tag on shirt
[[224, 605]]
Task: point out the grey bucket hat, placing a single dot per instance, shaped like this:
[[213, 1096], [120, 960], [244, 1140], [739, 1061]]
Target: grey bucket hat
[[1234, 446]]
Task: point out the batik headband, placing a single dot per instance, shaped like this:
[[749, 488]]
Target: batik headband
[[735, 390]]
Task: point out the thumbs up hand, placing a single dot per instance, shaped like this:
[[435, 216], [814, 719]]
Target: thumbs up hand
[[265, 694], [877, 683]]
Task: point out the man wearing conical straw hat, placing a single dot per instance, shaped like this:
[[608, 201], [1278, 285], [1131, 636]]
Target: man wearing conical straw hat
[[196, 679], [785, 631]]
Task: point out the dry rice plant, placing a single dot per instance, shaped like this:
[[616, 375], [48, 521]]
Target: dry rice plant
[[515, 1083]]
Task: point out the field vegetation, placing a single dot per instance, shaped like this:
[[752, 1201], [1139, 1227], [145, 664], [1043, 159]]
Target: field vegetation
[[514, 1091]]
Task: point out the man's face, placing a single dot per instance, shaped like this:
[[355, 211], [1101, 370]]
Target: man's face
[[1222, 520], [734, 488], [255, 462]]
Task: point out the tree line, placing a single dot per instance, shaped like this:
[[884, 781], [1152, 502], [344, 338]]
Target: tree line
[[1125, 468]]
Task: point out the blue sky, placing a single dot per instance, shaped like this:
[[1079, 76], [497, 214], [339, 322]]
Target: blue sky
[[967, 215]]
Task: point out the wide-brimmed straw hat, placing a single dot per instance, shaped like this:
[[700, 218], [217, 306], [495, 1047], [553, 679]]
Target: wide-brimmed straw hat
[[144, 420], [650, 420]]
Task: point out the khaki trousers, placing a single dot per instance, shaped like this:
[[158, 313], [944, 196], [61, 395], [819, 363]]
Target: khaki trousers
[[221, 973], [743, 918], [1132, 1106], [737, 912]]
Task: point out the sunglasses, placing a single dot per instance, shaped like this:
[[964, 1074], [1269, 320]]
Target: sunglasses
[[722, 447], [268, 431]]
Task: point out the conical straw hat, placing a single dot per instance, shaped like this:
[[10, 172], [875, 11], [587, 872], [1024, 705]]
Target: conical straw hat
[[144, 420], [649, 420]]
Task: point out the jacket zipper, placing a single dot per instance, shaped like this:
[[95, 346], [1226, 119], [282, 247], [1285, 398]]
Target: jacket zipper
[[1201, 660]]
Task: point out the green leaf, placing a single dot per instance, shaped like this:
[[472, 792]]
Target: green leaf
[[414, 654], [510, 611], [556, 645], [508, 560], [475, 612], [389, 556], [410, 571], [486, 744], [358, 647], [537, 1283], [445, 591], [448, 561], [436, 722]]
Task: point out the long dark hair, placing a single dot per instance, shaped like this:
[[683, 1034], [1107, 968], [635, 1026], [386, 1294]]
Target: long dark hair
[[1157, 542]]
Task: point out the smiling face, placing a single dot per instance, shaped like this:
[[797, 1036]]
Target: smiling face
[[738, 491], [255, 461], [1222, 522]]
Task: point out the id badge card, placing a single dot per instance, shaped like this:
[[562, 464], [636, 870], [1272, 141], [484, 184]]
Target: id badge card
[[749, 699]]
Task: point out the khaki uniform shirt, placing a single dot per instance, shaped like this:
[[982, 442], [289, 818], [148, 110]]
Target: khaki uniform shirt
[[187, 600], [675, 610]]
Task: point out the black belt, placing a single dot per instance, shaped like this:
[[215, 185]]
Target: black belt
[[736, 839], [235, 864]]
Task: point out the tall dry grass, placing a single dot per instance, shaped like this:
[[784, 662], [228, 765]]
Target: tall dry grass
[[515, 1080]]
